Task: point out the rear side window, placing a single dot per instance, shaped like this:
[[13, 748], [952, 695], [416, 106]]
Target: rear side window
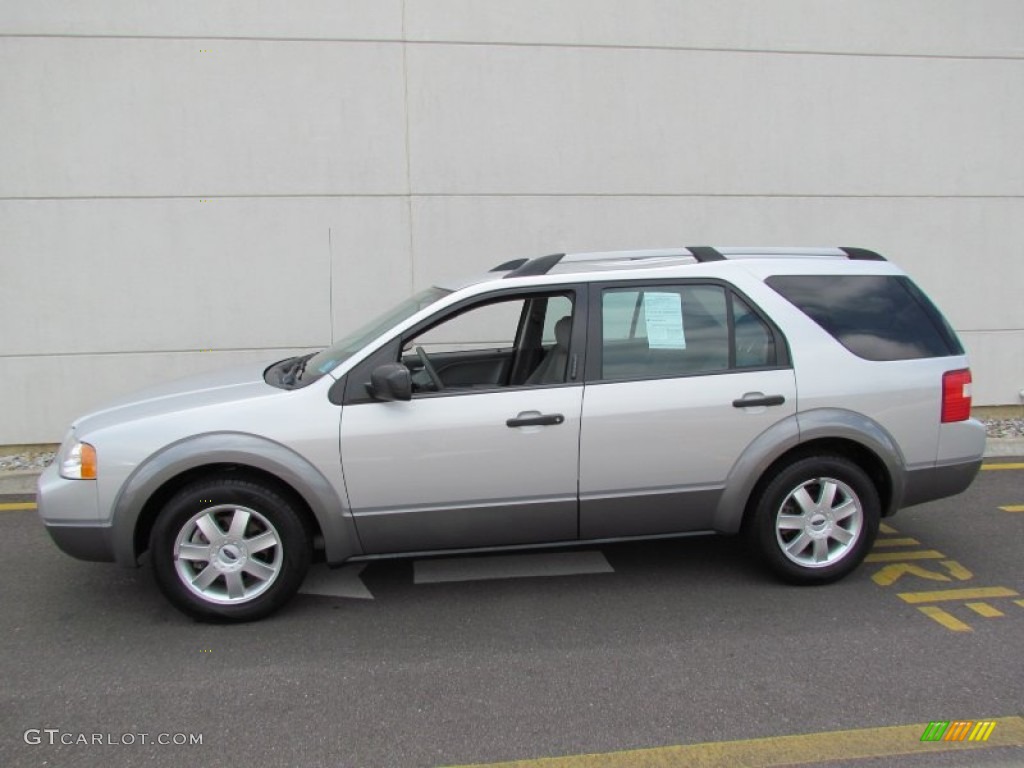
[[877, 317], [649, 331]]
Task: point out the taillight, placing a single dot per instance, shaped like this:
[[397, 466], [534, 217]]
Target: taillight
[[956, 395]]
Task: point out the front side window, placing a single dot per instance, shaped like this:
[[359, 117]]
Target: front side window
[[491, 326], [678, 330], [516, 341]]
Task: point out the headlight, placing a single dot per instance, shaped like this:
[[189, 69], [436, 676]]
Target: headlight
[[79, 462]]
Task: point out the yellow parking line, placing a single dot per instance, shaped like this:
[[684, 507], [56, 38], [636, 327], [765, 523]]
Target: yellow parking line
[[1013, 508], [946, 619], [957, 570], [811, 748], [938, 595], [16, 506], [986, 610], [1002, 466], [896, 542], [883, 528], [894, 557]]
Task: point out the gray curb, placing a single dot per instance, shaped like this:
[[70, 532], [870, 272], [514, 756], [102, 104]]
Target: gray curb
[[24, 481], [19, 481], [1004, 446]]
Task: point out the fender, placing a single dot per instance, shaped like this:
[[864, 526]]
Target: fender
[[790, 433], [331, 512], [858, 428]]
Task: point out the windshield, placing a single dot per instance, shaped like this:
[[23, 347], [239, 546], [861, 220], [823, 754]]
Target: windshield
[[348, 345]]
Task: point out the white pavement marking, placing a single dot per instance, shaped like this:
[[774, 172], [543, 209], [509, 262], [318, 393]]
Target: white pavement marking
[[510, 566], [336, 582]]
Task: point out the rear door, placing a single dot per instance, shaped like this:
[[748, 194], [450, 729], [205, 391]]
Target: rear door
[[681, 377]]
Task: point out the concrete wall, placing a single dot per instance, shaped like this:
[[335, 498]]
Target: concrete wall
[[185, 185]]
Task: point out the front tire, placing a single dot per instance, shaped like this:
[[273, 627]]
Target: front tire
[[229, 550], [815, 521]]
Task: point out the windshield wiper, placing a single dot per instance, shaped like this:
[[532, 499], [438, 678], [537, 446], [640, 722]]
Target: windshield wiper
[[294, 372]]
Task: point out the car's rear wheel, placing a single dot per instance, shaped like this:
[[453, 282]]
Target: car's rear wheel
[[815, 520], [228, 549]]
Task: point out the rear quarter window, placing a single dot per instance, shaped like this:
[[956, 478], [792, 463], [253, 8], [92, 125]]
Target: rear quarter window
[[876, 317]]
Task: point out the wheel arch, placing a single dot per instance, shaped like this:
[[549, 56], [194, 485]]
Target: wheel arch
[[257, 459], [813, 433]]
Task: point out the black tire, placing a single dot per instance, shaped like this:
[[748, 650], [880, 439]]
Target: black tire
[[836, 531], [260, 550]]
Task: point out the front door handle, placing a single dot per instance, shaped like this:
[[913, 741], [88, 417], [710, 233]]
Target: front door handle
[[535, 419], [754, 401]]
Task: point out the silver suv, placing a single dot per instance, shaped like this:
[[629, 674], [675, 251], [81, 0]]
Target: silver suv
[[796, 395]]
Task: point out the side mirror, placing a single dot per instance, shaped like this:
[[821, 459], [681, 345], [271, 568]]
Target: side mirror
[[391, 381]]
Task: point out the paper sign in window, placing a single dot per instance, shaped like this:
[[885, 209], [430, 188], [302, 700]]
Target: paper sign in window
[[664, 315]]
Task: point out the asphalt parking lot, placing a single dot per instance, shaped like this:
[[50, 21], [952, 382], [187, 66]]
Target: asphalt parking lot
[[656, 646]]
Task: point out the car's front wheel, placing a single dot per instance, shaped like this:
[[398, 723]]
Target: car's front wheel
[[816, 519], [227, 549]]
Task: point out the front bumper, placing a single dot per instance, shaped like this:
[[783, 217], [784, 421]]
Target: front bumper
[[70, 511], [86, 542]]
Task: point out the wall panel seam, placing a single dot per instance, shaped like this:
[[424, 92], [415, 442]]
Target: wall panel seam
[[403, 195], [408, 156], [110, 353], [515, 44]]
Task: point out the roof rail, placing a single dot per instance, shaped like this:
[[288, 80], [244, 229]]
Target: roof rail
[[862, 254], [539, 266], [659, 253], [782, 253], [700, 253], [543, 264], [854, 254], [704, 253], [505, 266]]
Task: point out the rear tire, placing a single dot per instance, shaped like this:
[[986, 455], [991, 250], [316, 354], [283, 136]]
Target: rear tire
[[229, 550], [815, 521]]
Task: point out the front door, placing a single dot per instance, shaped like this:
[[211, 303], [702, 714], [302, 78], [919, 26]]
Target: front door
[[485, 457]]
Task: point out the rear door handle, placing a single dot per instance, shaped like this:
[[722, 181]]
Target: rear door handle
[[758, 400], [534, 419]]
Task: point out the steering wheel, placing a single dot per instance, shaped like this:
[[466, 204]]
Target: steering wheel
[[428, 366]]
